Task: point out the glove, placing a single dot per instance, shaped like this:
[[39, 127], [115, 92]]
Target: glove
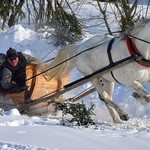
[[14, 88], [23, 88]]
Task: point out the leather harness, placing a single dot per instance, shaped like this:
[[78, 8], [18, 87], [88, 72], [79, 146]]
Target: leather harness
[[133, 51], [109, 48]]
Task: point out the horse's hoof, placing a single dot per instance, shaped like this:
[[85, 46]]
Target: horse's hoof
[[136, 95], [124, 117]]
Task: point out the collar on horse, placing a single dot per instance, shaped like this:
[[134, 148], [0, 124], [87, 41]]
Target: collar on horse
[[133, 50]]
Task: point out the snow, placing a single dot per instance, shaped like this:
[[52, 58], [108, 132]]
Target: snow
[[21, 132]]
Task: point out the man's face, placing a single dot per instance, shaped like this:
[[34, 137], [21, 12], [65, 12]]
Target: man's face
[[13, 61]]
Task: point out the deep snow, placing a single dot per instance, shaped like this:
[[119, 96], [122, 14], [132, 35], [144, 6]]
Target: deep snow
[[20, 132]]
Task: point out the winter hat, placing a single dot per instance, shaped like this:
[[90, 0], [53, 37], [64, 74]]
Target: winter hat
[[11, 53]]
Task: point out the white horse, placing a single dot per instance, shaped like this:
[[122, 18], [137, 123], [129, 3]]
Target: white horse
[[96, 54]]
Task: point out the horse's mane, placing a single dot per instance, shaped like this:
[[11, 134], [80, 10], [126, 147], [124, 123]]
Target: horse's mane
[[139, 26]]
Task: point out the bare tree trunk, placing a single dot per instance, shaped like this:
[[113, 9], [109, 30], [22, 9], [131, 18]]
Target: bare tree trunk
[[29, 12], [103, 11], [49, 10]]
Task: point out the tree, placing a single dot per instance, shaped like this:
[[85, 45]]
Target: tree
[[67, 28], [11, 11], [125, 14], [62, 20]]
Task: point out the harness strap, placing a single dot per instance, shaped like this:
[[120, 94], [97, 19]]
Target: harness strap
[[133, 50], [110, 57]]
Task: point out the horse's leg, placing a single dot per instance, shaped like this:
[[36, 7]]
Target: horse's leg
[[141, 94], [109, 89], [105, 90]]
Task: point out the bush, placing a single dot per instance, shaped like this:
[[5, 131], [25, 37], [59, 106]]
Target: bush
[[80, 114]]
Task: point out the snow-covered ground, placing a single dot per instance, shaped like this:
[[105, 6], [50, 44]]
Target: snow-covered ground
[[34, 133], [20, 132]]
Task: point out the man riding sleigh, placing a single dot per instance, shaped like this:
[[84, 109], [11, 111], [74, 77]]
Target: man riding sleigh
[[13, 71]]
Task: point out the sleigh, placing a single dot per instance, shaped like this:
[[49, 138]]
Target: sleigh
[[38, 88]]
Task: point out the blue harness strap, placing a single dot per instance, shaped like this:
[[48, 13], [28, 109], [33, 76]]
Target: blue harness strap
[[109, 48]]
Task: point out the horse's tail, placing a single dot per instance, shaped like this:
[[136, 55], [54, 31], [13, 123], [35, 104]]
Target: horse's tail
[[62, 64]]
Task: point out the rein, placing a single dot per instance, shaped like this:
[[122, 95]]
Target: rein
[[137, 38], [88, 49], [133, 50]]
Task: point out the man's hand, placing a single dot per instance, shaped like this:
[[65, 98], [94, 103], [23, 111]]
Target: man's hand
[[14, 88]]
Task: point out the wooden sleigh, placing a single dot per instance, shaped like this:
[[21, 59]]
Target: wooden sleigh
[[38, 87]]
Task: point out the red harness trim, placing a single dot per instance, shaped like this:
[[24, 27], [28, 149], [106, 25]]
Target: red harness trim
[[133, 50], [132, 47]]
